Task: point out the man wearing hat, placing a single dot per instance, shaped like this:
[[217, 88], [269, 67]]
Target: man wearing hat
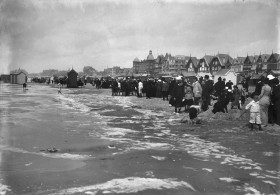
[[206, 92]]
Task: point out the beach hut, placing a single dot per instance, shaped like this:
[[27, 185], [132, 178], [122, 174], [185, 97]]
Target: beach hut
[[18, 77], [228, 74], [5, 78], [72, 81]]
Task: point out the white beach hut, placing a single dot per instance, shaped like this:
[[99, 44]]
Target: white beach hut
[[228, 74]]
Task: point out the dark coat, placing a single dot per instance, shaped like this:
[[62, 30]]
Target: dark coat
[[178, 93], [149, 89], [219, 87], [207, 88], [258, 88], [275, 98]]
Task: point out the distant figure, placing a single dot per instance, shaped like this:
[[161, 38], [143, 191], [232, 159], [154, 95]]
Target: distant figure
[[59, 89], [236, 97], [229, 84], [24, 86], [165, 87], [140, 88]]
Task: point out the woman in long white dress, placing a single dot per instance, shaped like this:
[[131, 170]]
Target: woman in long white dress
[[264, 101]]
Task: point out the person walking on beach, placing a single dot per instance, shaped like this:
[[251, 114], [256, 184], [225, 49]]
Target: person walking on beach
[[59, 89], [24, 86]]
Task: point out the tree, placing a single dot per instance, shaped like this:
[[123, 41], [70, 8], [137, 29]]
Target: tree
[[88, 70]]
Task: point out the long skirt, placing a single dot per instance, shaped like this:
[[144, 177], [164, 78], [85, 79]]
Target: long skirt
[[264, 104], [277, 111], [235, 101]]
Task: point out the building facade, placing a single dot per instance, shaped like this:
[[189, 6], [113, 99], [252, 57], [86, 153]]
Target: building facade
[[203, 66], [273, 62], [192, 65]]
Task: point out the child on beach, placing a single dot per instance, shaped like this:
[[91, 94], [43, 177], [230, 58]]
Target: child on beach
[[193, 115], [188, 100], [255, 117]]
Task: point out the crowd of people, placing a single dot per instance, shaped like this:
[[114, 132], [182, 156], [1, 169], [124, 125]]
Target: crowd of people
[[203, 92]]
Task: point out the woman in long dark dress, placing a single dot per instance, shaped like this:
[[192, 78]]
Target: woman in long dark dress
[[178, 95], [275, 98]]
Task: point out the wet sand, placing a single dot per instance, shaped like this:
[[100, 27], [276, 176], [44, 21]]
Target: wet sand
[[126, 145]]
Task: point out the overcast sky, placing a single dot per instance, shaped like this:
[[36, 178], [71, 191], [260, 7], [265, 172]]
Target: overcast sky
[[61, 34]]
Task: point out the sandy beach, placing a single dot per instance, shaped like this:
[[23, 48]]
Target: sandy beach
[[127, 145]]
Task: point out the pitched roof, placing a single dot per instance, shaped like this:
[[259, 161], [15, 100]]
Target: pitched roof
[[187, 59], [240, 59], [72, 71], [18, 71], [160, 59], [208, 58], [251, 58], [263, 56], [194, 60], [276, 55], [224, 56]]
